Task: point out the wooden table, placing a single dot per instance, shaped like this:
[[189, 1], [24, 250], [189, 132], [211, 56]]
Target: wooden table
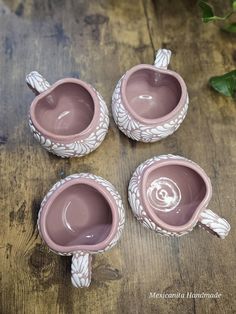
[[98, 41]]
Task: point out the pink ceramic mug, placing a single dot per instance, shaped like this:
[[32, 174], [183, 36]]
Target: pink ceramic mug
[[170, 194], [150, 102], [81, 215], [69, 118]]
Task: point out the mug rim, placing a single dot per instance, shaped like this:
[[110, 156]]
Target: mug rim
[[60, 138], [164, 118], [202, 205], [75, 248]]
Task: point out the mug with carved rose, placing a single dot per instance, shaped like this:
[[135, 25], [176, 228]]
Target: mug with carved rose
[[69, 118], [170, 194], [81, 215], [150, 102]]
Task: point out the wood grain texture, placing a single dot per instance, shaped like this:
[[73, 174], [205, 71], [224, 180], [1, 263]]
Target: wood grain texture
[[98, 41]]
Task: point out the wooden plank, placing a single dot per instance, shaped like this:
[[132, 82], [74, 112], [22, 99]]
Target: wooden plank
[[98, 41]]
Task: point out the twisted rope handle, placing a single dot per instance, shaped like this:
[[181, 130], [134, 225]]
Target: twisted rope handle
[[81, 269], [214, 224], [162, 59], [37, 82]]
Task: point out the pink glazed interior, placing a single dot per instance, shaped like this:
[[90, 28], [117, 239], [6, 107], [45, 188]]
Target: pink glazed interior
[[174, 192], [153, 95], [67, 109], [81, 214]]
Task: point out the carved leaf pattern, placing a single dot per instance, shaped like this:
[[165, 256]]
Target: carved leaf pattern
[[113, 192], [138, 131], [80, 270], [77, 148], [162, 58], [135, 201], [37, 82], [211, 220]]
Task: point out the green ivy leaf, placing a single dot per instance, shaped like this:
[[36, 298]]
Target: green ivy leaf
[[208, 14], [234, 5], [207, 11], [225, 84], [230, 28]]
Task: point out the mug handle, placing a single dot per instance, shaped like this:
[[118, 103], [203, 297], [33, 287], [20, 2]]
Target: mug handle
[[37, 82], [81, 269], [162, 59], [213, 223]]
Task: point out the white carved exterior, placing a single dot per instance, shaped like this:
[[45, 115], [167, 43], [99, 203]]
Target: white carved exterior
[[136, 130], [162, 59], [211, 220], [80, 274], [37, 82], [76, 148], [81, 270]]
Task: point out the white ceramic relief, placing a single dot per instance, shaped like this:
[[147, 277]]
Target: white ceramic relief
[[81, 259], [215, 223], [78, 147], [162, 59], [136, 203], [164, 195], [148, 131]]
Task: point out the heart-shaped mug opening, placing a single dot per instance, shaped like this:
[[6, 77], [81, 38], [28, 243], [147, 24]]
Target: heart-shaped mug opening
[[68, 108], [152, 95], [80, 215], [174, 193]]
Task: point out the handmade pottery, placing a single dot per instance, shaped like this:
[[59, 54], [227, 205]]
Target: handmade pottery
[[170, 194], [150, 102], [69, 118], [81, 215]]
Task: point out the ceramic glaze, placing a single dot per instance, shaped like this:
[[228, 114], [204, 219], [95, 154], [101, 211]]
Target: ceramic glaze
[[151, 94], [163, 194], [81, 215], [66, 111], [170, 194], [69, 118], [185, 188], [150, 102]]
